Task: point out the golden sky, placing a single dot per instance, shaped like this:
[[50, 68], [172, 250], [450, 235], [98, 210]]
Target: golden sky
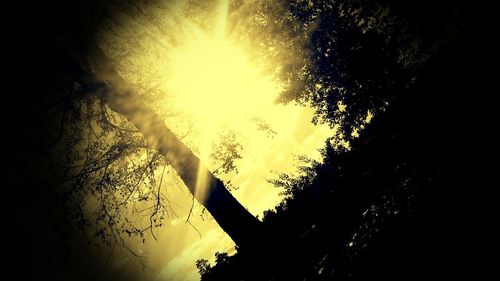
[[209, 78]]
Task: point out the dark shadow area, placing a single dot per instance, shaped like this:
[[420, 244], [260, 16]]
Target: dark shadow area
[[41, 38]]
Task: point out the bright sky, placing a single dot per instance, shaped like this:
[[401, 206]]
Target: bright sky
[[213, 81]]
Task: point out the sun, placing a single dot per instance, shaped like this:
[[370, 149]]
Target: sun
[[215, 81]]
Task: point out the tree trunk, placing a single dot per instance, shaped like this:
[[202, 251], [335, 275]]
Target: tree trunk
[[231, 216]]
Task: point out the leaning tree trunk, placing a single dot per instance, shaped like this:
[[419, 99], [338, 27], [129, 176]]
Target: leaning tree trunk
[[109, 86]]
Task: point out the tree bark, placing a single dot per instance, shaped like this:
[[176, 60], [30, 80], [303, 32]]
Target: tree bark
[[231, 216]]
